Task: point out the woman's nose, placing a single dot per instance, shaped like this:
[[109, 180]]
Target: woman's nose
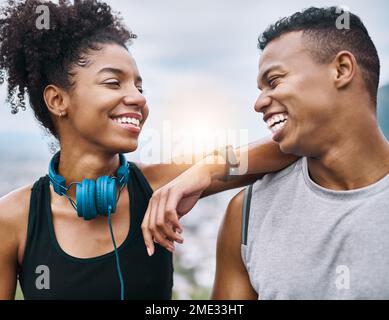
[[135, 97]]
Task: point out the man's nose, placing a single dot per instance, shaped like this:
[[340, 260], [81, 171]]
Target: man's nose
[[262, 102]]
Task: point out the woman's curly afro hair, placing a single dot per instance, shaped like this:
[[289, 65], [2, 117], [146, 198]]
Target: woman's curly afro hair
[[32, 58]]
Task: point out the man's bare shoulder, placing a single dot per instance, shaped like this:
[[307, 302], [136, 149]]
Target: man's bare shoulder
[[232, 280], [234, 209], [232, 222]]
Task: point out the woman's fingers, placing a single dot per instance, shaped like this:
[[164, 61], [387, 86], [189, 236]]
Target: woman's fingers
[[147, 236], [166, 216], [160, 237], [161, 222], [171, 210]]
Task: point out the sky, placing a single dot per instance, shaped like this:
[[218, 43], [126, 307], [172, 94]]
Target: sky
[[199, 62]]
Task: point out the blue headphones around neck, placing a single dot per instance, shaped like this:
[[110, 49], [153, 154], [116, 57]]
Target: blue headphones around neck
[[93, 198]]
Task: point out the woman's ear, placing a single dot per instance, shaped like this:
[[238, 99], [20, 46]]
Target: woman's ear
[[56, 100], [345, 67]]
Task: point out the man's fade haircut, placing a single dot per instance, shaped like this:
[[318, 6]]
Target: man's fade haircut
[[320, 27]]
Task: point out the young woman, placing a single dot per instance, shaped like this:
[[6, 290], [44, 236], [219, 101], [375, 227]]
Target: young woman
[[84, 88]]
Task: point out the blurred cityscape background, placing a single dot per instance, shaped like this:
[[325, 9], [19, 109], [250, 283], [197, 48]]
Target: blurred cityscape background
[[199, 62]]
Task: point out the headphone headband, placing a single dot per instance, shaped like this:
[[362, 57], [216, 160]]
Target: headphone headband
[[59, 182]]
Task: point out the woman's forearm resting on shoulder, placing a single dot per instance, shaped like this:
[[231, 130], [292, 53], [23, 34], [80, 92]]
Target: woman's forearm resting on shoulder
[[255, 160], [178, 195]]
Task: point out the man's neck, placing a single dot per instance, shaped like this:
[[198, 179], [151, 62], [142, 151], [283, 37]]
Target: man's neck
[[352, 164]]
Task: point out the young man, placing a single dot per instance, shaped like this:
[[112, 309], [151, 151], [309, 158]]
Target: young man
[[318, 229]]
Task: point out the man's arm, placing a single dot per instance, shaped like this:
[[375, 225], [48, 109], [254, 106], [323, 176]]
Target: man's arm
[[231, 279], [179, 187]]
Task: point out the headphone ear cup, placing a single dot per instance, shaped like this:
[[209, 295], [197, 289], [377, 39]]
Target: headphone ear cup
[[100, 191], [105, 195], [85, 196]]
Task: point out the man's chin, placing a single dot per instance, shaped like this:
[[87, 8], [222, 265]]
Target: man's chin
[[287, 148]]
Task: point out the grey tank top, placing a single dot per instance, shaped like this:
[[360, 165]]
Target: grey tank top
[[303, 241]]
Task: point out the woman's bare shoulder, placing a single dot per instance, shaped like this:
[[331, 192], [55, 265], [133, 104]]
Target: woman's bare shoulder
[[14, 207]]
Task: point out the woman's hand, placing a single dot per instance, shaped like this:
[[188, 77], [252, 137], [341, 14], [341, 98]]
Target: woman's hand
[[171, 202]]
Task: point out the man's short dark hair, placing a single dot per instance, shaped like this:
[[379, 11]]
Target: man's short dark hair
[[319, 25]]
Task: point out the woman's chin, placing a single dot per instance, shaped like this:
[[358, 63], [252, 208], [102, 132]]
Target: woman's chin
[[129, 147], [123, 146]]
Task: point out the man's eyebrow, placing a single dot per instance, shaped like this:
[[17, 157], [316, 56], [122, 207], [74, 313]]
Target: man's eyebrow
[[262, 77], [117, 71]]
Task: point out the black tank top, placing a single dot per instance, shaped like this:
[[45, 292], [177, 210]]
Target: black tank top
[[93, 278]]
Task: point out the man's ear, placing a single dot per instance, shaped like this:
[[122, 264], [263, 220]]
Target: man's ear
[[56, 100], [345, 68]]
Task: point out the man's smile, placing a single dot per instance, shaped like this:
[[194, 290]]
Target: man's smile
[[276, 121]]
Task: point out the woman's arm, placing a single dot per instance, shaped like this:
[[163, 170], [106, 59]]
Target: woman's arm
[[257, 159], [8, 247], [178, 187]]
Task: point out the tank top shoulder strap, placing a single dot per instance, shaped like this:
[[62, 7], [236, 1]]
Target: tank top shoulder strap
[[140, 181], [246, 212], [140, 194], [37, 230]]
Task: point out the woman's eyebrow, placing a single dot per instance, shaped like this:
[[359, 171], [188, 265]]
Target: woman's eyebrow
[[111, 70], [118, 72]]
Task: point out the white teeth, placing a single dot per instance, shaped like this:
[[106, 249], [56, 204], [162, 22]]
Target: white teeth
[[133, 121], [278, 126], [276, 118]]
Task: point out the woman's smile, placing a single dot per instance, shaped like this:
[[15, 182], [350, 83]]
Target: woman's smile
[[129, 121]]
